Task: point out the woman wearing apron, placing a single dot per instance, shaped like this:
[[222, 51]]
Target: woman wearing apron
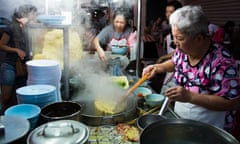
[[115, 34], [207, 81]]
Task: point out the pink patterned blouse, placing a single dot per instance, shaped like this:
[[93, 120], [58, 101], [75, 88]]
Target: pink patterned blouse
[[215, 74]]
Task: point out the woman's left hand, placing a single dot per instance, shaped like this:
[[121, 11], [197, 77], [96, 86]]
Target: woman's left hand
[[178, 93], [21, 54]]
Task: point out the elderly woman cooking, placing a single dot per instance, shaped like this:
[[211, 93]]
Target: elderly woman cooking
[[208, 84], [116, 34]]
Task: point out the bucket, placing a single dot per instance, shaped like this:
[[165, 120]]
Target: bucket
[[39, 94], [44, 72]]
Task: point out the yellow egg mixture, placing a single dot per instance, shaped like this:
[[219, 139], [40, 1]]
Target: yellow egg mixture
[[53, 47]]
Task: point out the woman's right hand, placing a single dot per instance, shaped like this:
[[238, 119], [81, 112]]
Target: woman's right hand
[[150, 70], [101, 55]]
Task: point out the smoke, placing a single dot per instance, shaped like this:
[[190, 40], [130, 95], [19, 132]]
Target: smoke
[[8, 6], [94, 75]]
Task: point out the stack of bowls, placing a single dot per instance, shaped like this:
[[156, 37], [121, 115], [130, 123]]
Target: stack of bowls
[[44, 72], [29, 112], [38, 94]]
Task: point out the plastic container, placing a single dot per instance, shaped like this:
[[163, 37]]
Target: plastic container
[[30, 112], [38, 94]]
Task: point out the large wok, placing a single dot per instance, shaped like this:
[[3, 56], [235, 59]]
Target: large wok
[[182, 131], [92, 116]]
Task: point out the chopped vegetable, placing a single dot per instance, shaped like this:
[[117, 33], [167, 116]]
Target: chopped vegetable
[[122, 81], [140, 95]]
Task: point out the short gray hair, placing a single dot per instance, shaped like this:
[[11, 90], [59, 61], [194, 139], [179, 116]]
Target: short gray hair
[[190, 20]]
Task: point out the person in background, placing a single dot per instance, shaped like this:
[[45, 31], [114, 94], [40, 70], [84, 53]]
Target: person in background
[[116, 34], [147, 37], [228, 35], [156, 29], [150, 50], [212, 28], [14, 43], [206, 76], [167, 41], [223, 35]]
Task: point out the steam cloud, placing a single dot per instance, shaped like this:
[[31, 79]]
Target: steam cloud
[[93, 76]]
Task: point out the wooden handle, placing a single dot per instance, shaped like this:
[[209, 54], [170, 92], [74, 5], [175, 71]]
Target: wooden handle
[[137, 84]]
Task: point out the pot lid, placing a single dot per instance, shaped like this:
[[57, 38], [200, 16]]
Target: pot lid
[[13, 128], [56, 132]]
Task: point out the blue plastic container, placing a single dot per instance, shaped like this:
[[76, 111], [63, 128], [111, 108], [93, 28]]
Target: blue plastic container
[[27, 111], [39, 94]]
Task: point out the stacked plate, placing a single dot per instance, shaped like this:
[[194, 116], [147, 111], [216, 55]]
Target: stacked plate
[[40, 95], [51, 19], [44, 72]]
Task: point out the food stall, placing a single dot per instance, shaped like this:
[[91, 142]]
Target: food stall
[[89, 82]]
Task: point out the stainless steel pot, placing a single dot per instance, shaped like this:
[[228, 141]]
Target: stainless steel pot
[[59, 132], [182, 131], [60, 111]]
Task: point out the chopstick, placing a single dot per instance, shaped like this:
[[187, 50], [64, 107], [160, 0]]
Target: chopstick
[[145, 113]]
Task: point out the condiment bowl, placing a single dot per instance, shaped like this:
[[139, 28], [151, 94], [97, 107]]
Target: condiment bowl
[[142, 91]]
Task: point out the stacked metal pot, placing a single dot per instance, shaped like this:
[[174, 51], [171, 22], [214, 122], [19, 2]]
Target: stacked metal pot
[[60, 122]]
